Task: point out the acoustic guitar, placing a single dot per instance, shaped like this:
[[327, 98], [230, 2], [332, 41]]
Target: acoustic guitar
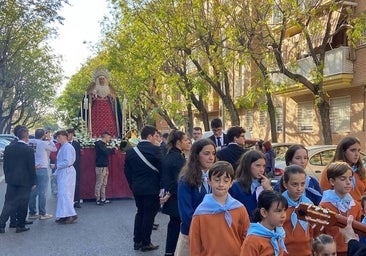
[[317, 215]]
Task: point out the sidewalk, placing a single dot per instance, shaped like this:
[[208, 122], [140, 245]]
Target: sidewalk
[[100, 230]]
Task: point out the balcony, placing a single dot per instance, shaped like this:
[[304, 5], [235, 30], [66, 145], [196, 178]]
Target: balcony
[[338, 72]]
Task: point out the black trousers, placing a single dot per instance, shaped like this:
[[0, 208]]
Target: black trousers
[[16, 202], [77, 185], [147, 207], [172, 234]]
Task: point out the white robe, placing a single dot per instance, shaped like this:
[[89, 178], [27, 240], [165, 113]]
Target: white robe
[[66, 177]]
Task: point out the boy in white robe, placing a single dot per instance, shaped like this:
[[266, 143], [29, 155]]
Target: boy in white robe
[[66, 178]]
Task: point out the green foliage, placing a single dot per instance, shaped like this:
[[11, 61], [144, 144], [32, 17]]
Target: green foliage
[[250, 98], [357, 29], [29, 72]]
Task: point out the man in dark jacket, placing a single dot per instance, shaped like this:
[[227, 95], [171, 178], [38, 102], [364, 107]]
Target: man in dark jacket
[[20, 176], [13, 219], [102, 152], [218, 136], [142, 170], [235, 149]]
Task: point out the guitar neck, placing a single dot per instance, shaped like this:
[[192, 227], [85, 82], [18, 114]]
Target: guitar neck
[[326, 217], [357, 226]]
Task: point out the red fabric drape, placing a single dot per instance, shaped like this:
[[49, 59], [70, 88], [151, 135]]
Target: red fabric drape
[[117, 186], [103, 118]]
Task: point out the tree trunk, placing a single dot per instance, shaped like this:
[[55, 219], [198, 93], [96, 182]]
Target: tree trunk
[[272, 117], [167, 119], [224, 92], [233, 112], [190, 119], [139, 122], [199, 104], [324, 113], [206, 123], [229, 103]]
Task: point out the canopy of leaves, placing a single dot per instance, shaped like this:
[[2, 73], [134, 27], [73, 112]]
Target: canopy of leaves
[[29, 72]]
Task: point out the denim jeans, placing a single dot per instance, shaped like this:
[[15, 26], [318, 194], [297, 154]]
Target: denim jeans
[[40, 191]]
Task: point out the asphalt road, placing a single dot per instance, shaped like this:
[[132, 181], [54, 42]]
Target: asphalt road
[[100, 230], [1, 172]]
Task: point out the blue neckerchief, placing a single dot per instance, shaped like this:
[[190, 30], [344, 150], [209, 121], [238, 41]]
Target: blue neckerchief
[[254, 185], [311, 190], [342, 204], [292, 203], [276, 236], [209, 205], [354, 169]]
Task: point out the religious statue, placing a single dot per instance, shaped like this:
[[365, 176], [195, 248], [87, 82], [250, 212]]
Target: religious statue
[[101, 107]]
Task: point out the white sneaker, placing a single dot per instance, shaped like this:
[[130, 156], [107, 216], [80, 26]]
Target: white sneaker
[[45, 216]]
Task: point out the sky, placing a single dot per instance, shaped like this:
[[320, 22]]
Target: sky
[[80, 31]]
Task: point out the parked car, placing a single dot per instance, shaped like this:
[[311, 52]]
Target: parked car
[[3, 144], [9, 137], [319, 157]]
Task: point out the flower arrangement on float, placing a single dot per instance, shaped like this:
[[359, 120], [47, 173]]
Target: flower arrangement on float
[[87, 141]]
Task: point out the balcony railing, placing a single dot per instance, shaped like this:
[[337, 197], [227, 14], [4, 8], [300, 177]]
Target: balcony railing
[[337, 61]]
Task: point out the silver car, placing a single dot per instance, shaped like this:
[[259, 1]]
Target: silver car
[[319, 157], [3, 144]]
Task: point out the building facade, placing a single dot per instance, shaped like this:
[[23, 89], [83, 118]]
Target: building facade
[[296, 115]]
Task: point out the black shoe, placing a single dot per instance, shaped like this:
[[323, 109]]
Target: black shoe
[[60, 220], [28, 222], [70, 220], [2, 230], [100, 203], [149, 247], [20, 230], [137, 246], [106, 202], [77, 205]]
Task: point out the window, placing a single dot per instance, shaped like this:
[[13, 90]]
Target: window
[[276, 15], [322, 158], [262, 118], [240, 81], [301, 4], [279, 118], [305, 116], [249, 120], [340, 114], [305, 5]]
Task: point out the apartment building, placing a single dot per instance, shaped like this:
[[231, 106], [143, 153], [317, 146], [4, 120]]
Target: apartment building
[[344, 82]]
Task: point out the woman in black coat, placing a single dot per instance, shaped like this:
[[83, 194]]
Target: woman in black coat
[[177, 143]]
